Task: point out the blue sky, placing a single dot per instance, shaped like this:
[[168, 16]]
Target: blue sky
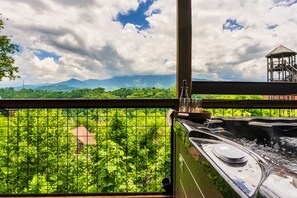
[[95, 39], [137, 17], [42, 54], [232, 24]]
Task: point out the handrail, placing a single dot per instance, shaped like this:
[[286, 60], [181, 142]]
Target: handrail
[[252, 88], [88, 103], [142, 103], [251, 104]]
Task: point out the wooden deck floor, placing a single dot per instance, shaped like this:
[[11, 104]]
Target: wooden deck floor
[[117, 196]]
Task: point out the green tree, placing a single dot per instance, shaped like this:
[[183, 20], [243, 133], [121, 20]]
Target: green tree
[[37, 154], [7, 70], [126, 156], [123, 92], [99, 93], [152, 93]]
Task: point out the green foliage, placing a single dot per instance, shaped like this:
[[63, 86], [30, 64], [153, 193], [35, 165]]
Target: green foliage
[[117, 131], [130, 151], [37, 154], [152, 93], [109, 164], [37, 151], [131, 154], [7, 70], [123, 92], [230, 97], [97, 93], [235, 112]]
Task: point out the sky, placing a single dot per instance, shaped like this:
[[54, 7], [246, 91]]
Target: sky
[[99, 39]]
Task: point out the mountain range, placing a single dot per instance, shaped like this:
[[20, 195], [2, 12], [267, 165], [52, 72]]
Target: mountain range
[[137, 81]]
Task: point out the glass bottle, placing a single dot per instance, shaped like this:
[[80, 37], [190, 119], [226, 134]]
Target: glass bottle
[[184, 99]]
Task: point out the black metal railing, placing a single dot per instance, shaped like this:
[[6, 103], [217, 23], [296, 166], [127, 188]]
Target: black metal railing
[[126, 146], [248, 107], [265, 107], [251, 88], [84, 146]]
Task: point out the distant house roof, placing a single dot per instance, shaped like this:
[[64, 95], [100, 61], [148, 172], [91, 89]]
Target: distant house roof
[[280, 51], [82, 134]]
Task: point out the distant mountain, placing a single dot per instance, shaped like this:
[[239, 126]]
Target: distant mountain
[[138, 81], [35, 86]]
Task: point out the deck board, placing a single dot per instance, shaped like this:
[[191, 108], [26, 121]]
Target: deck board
[[105, 196]]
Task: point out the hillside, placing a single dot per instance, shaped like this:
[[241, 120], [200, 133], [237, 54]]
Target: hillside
[[158, 81]]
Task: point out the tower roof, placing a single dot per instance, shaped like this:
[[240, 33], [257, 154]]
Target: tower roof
[[280, 51]]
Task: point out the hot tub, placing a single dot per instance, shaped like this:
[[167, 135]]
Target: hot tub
[[236, 157]]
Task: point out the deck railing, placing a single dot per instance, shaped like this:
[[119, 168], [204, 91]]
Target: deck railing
[[125, 146], [84, 146]]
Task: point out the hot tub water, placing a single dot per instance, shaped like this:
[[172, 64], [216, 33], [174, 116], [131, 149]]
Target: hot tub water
[[282, 152], [274, 139]]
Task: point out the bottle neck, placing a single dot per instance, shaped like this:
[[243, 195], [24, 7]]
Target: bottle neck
[[184, 92]]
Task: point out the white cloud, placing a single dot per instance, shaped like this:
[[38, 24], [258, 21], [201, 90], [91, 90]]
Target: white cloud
[[39, 71], [239, 54], [92, 44]]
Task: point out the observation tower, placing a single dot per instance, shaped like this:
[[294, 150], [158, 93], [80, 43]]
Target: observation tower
[[281, 65]]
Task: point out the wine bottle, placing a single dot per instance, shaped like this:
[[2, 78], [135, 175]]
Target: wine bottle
[[184, 99]]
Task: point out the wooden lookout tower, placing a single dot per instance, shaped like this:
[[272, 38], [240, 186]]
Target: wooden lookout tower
[[281, 65]]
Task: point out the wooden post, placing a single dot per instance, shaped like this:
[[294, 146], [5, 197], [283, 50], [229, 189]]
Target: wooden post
[[184, 45]]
